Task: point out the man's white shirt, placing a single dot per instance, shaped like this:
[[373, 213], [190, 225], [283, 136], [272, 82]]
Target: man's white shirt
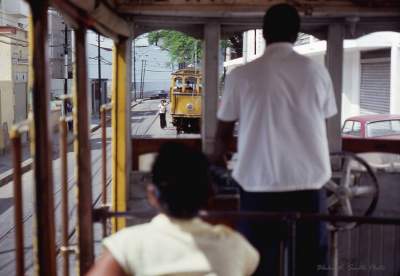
[[162, 108], [281, 101]]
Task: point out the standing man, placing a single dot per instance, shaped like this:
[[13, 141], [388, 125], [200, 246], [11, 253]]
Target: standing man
[[162, 111], [281, 101]]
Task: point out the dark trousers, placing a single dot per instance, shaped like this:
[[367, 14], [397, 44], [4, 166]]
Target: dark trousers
[[163, 122], [271, 237]]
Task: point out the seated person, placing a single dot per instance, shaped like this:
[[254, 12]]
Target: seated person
[[177, 241]]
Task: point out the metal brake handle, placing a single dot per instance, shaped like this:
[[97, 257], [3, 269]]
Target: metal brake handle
[[221, 176]]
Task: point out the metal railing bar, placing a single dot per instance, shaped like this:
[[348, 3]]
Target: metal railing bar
[[21, 127], [64, 193], [18, 200], [101, 213], [103, 113]]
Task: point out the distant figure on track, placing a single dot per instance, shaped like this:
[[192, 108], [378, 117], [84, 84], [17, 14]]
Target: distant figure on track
[[68, 105], [177, 241], [162, 111]]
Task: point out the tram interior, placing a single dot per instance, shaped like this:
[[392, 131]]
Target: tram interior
[[364, 239]]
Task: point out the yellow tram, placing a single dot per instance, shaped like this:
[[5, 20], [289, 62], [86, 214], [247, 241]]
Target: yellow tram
[[123, 20], [185, 96]]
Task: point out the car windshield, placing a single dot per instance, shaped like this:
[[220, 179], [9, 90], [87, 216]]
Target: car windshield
[[383, 128]]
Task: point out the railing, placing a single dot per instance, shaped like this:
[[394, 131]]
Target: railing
[[103, 114], [65, 248], [16, 145]]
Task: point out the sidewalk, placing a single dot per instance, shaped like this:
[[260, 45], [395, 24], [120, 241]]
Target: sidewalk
[[6, 159], [6, 170]]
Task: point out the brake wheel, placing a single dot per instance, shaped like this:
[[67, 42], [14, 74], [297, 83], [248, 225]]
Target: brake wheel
[[348, 184]]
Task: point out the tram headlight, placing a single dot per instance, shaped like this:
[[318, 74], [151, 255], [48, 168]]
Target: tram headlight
[[189, 107]]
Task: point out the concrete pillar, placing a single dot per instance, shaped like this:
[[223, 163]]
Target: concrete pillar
[[334, 63], [210, 85]]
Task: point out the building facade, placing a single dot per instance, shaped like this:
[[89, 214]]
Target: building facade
[[371, 69], [14, 66]]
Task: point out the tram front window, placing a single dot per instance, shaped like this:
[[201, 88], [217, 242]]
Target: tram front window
[[178, 85]]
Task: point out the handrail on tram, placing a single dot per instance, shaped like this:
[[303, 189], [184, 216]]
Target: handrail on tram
[[103, 122], [16, 144]]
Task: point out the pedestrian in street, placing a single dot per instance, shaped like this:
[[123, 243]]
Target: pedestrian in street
[[68, 107], [281, 101], [163, 111]]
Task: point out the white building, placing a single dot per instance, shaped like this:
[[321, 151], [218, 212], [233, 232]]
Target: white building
[[13, 65], [371, 82], [60, 64]]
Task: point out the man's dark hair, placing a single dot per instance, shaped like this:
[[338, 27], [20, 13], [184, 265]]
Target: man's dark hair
[[281, 24], [181, 176]]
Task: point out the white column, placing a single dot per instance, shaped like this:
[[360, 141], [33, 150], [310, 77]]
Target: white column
[[334, 63], [210, 85]]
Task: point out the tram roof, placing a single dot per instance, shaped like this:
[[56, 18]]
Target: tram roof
[[120, 17], [191, 72]]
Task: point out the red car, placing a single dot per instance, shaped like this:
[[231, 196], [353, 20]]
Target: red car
[[381, 126]]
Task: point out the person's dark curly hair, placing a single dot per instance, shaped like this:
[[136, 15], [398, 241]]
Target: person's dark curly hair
[[181, 176], [281, 24]]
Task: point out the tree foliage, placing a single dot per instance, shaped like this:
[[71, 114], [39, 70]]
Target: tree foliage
[[182, 48]]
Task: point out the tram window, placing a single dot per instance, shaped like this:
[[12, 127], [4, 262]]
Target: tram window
[[190, 84], [178, 84], [348, 127]]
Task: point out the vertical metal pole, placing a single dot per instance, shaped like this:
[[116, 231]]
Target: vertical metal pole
[[141, 80], [210, 88], [64, 192], [101, 99], [18, 209], [82, 151], [144, 75], [104, 162], [292, 247], [65, 67], [44, 246], [121, 132], [134, 69], [335, 253], [334, 63]]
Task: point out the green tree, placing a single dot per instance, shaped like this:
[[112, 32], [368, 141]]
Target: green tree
[[183, 49]]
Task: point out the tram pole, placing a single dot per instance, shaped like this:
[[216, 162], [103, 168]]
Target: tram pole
[[44, 245], [18, 200], [121, 128], [64, 192], [82, 151]]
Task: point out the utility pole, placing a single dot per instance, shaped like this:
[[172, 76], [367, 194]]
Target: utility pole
[[144, 74], [101, 97], [65, 65], [134, 69]]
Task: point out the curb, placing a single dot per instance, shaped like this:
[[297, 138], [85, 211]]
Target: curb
[[26, 165]]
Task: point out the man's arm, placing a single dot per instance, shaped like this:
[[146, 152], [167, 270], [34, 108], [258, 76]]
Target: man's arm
[[106, 266], [223, 137]]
